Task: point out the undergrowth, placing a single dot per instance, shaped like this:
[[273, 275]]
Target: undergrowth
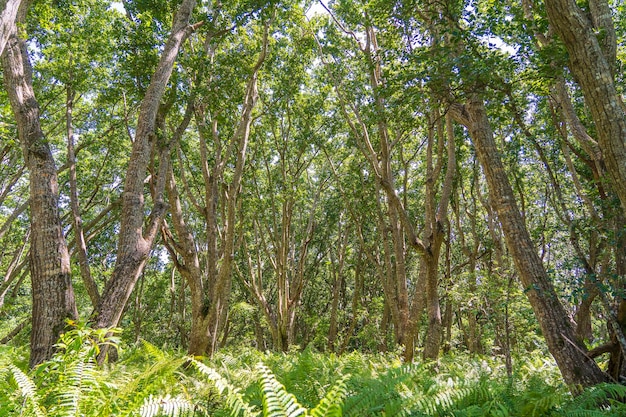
[[148, 381]]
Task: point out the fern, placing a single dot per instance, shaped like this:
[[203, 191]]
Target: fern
[[234, 399], [587, 413], [330, 405], [154, 351], [151, 382], [130, 398], [603, 399], [29, 391], [76, 382], [379, 393], [277, 402], [169, 406]]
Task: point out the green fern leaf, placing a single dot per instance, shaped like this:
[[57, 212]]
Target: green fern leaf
[[585, 413], [28, 389], [277, 402], [591, 401], [168, 406], [331, 404], [234, 399], [153, 351], [76, 382], [162, 367]]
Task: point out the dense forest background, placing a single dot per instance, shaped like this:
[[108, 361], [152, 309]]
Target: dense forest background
[[429, 179]]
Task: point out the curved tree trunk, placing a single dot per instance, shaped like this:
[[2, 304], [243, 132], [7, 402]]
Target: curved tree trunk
[[79, 234], [135, 243], [52, 293], [591, 61], [210, 286]]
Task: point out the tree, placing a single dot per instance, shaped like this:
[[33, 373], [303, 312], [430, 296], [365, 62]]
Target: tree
[[592, 63], [591, 42], [82, 73], [417, 175], [222, 159], [575, 365], [283, 227], [7, 20], [379, 136], [52, 292], [135, 241]]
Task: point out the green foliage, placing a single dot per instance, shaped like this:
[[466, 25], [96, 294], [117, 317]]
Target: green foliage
[[277, 402], [72, 384], [331, 404], [158, 406], [150, 382], [28, 391], [303, 163], [232, 396]]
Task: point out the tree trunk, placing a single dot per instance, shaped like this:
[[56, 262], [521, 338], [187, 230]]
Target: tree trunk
[[52, 293], [358, 285], [447, 325], [188, 267], [135, 243], [336, 273], [7, 20], [591, 62], [434, 331], [210, 286], [79, 236], [577, 368], [220, 280]]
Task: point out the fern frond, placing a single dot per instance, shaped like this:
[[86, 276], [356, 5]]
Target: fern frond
[[602, 399], [163, 367], [277, 402], [234, 399], [379, 393], [169, 406], [129, 399], [76, 382], [585, 413], [153, 351], [28, 389], [331, 404]]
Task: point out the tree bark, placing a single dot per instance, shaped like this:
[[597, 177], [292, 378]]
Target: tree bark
[[577, 368], [79, 235], [135, 243], [52, 293], [7, 20], [210, 286], [591, 62]]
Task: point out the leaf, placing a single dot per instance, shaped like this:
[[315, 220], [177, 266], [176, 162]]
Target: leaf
[[331, 404], [234, 399], [170, 406], [28, 390], [277, 402]]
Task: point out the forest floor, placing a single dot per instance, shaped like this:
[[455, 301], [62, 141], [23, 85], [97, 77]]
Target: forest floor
[[150, 381]]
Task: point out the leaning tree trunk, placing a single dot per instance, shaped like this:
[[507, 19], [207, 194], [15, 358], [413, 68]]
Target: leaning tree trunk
[[135, 242], [577, 368], [53, 297], [591, 61], [7, 20]]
